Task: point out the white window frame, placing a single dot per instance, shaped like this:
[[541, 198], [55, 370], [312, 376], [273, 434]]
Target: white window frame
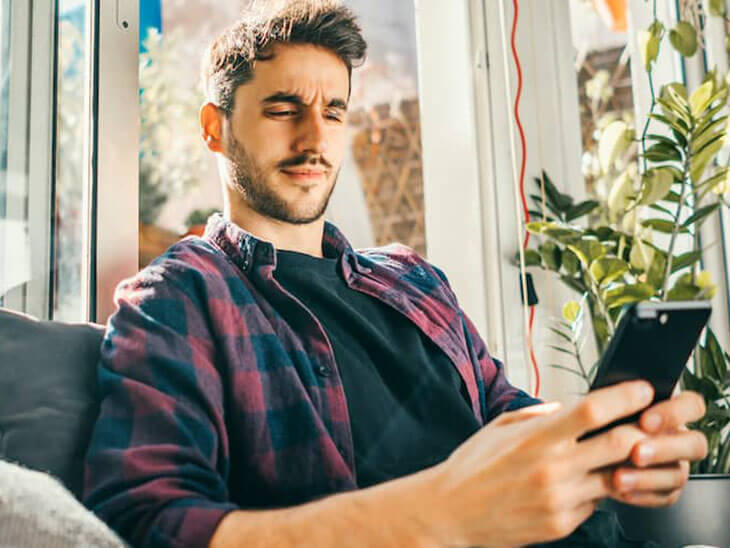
[[30, 145], [113, 180]]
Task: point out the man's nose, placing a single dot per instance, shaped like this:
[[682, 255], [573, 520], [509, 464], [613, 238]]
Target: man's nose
[[312, 136]]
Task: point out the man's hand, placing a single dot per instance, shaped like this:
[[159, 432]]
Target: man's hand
[[661, 460], [526, 478]]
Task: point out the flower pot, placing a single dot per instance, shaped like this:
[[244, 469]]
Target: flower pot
[[701, 516]]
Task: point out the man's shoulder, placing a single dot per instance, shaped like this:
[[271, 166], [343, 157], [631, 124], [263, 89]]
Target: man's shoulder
[[186, 265], [403, 258]]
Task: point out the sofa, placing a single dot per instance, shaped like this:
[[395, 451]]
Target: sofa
[[48, 405]]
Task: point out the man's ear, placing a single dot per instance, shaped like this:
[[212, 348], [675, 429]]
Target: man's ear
[[211, 127]]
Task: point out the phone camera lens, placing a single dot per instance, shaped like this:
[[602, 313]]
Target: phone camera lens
[[663, 318]]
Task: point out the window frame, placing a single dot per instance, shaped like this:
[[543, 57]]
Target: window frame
[[31, 140], [113, 182]]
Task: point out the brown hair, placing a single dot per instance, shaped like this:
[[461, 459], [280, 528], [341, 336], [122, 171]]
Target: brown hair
[[229, 61]]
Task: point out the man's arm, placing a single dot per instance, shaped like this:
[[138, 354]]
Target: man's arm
[[158, 454], [522, 479]]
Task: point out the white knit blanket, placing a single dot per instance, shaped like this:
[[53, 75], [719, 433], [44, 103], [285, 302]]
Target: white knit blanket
[[37, 511]]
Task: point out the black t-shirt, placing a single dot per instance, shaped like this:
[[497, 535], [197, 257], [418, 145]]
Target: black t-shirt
[[408, 405]]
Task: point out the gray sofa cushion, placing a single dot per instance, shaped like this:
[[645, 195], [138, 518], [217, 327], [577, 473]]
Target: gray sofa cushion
[[48, 394]]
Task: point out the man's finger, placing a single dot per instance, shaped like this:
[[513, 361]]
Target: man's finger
[[602, 407], [672, 413], [526, 413], [667, 448], [656, 480], [649, 499], [611, 447]]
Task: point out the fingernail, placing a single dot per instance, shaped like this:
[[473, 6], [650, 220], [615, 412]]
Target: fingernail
[[627, 481], [652, 422], [646, 452], [647, 392]]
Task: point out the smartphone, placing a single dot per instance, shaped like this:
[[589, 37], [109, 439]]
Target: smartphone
[[653, 341]]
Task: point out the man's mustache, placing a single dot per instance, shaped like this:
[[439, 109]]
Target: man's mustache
[[304, 160]]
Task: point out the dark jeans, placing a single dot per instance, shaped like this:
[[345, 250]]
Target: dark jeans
[[600, 530]]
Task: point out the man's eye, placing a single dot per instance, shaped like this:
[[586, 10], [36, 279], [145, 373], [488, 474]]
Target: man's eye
[[334, 116], [282, 113]]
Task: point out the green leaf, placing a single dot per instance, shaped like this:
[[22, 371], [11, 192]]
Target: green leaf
[[581, 209], [683, 292], [619, 296], [571, 263], [715, 352], [677, 94], [700, 99], [717, 8], [671, 108], [550, 253], [707, 118], [548, 205], [562, 234], [684, 39], [661, 225], [615, 139], [673, 197], [685, 259], [703, 386], [560, 349], [662, 139], [587, 250], [657, 268], [700, 215], [703, 134], [532, 258], [655, 184], [536, 227], [561, 334], [699, 162], [673, 123], [561, 202], [661, 209], [714, 180], [648, 41], [571, 311], [607, 269], [661, 152]]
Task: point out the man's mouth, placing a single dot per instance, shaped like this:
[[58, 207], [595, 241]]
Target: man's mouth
[[303, 174]]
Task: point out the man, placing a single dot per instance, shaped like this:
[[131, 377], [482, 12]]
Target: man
[[267, 385]]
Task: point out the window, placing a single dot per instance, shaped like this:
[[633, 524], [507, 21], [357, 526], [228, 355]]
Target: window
[[26, 151]]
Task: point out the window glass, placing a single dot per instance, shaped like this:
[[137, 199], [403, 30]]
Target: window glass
[[69, 212], [379, 195], [15, 251], [599, 32]]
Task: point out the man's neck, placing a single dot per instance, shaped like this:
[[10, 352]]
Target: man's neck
[[305, 238]]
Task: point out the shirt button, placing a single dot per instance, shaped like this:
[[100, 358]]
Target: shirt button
[[323, 371]]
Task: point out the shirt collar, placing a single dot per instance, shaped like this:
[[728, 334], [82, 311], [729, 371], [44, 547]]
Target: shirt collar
[[247, 251]]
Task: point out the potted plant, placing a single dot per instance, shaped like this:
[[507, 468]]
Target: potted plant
[[661, 187]]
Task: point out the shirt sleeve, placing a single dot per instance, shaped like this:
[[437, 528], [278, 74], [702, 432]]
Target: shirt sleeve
[[158, 458], [499, 394]]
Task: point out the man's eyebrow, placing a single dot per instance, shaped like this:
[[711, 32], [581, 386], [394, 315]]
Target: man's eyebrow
[[293, 98]]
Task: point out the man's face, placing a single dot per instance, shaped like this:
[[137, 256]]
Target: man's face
[[286, 136]]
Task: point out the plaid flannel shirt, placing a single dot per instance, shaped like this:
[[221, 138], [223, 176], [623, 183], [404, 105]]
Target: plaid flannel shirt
[[212, 401]]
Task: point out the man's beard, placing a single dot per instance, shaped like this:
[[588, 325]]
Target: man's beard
[[249, 180]]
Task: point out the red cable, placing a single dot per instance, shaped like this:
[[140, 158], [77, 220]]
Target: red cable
[[523, 161], [523, 165]]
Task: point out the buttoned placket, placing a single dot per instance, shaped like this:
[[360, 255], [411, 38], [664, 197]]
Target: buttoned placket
[[258, 255]]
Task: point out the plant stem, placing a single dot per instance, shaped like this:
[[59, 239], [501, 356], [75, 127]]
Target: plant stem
[[653, 101], [675, 230]]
